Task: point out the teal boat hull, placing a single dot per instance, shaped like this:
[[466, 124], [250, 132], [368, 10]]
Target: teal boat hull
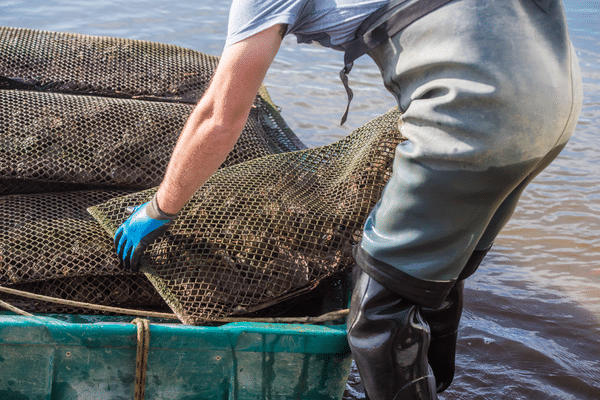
[[44, 357]]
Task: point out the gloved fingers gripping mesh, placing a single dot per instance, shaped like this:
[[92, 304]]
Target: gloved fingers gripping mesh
[[259, 231], [50, 245], [103, 137]]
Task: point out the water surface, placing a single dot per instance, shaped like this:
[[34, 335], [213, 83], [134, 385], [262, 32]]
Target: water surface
[[531, 326]]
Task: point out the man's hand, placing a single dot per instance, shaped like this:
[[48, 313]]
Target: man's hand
[[144, 226]]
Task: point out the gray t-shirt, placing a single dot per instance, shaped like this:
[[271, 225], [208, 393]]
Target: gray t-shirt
[[331, 23]]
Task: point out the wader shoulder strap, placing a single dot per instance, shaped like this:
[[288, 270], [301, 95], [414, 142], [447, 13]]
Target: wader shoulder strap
[[378, 28]]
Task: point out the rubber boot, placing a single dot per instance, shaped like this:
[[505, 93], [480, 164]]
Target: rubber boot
[[389, 341], [443, 323]]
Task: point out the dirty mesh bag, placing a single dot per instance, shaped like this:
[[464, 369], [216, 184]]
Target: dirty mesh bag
[[50, 245], [115, 67], [259, 232], [84, 115], [129, 291], [121, 126], [55, 142]]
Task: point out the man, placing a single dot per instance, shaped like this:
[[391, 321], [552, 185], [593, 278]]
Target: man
[[489, 93]]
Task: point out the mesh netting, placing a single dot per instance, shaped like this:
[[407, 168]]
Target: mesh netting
[[50, 245], [86, 122], [127, 291], [73, 63], [52, 141], [260, 230], [50, 235]]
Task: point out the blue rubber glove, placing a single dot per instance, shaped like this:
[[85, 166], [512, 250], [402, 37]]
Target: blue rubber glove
[[144, 226]]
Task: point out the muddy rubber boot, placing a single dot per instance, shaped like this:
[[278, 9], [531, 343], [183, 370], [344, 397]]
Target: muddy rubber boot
[[443, 323], [389, 341]]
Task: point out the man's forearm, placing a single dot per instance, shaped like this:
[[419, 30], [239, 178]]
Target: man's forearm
[[207, 138], [201, 149], [217, 121]]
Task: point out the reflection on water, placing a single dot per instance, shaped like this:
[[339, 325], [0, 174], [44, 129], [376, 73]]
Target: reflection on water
[[531, 327]]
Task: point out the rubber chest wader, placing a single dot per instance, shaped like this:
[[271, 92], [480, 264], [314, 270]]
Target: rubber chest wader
[[490, 93]]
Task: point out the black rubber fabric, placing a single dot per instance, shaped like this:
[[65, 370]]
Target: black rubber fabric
[[443, 323], [389, 341]]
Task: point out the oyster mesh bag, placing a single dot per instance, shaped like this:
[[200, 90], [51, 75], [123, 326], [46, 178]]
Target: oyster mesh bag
[[121, 126], [90, 122], [261, 231], [53, 141], [50, 245]]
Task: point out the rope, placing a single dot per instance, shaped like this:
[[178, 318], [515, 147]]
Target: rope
[[331, 316], [141, 360], [14, 309], [79, 304]]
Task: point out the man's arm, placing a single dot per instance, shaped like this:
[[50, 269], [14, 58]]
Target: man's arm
[[216, 123], [207, 138]]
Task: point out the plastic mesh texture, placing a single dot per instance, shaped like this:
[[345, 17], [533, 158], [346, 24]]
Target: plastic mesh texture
[[87, 122], [50, 235], [50, 245], [73, 63], [82, 113], [52, 141], [127, 291], [259, 231]]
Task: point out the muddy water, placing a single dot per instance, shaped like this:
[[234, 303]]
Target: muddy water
[[531, 326]]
